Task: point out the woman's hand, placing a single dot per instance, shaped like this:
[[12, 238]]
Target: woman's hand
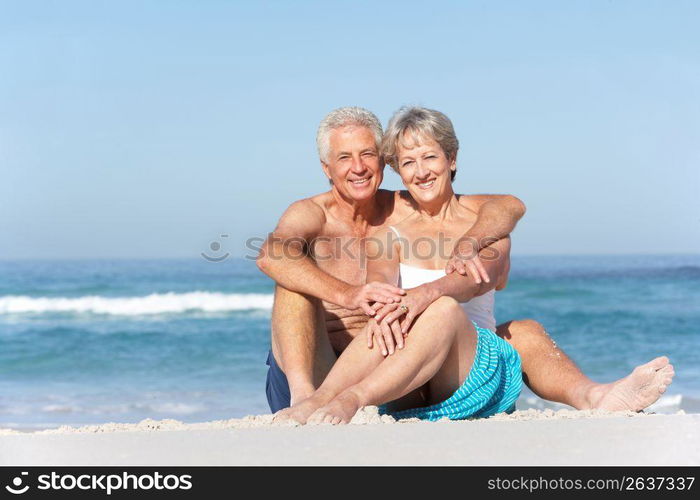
[[465, 261], [412, 304], [387, 336], [360, 297]]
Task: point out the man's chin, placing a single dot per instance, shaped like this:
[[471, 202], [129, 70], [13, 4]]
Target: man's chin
[[362, 194]]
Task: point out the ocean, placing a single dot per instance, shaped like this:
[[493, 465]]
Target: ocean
[[94, 341]]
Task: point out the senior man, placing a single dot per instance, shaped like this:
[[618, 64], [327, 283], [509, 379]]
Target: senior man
[[316, 255]]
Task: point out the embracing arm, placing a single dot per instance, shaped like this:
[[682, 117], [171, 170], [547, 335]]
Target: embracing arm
[[285, 257], [496, 260], [497, 216]]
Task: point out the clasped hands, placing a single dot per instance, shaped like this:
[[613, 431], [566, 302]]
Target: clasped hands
[[393, 312], [392, 320]]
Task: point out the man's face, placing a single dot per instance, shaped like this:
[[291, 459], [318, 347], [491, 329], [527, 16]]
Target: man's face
[[353, 164]]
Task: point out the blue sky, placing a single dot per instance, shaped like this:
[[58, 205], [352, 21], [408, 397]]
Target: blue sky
[[147, 129]]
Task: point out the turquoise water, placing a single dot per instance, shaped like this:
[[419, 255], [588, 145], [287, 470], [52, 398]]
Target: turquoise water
[[94, 341]]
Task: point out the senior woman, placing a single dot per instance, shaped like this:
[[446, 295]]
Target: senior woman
[[449, 362]]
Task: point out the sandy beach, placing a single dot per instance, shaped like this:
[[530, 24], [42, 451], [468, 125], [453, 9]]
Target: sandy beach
[[530, 437]]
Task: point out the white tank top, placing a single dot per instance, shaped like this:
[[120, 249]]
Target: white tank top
[[479, 309]]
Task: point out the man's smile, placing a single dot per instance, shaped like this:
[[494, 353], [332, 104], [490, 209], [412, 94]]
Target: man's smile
[[360, 182]]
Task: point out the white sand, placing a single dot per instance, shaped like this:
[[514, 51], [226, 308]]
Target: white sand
[[528, 437]]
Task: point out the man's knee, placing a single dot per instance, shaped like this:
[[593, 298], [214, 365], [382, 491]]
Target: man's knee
[[287, 301], [521, 331], [293, 311]]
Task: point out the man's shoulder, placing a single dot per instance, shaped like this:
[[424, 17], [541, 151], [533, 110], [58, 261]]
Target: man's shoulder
[[309, 209], [315, 204]]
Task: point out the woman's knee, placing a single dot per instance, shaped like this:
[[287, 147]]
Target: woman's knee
[[446, 308], [444, 305]]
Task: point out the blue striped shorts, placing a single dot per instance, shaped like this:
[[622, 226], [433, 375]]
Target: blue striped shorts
[[492, 386]]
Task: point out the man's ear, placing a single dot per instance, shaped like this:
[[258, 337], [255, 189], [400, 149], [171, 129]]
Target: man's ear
[[327, 172]]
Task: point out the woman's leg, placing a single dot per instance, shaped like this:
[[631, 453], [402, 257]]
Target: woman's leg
[[439, 351], [355, 362]]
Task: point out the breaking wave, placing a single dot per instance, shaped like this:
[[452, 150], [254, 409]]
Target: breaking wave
[[157, 303]]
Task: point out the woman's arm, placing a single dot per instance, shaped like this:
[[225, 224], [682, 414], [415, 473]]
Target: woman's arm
[[496, 258], [382, 254], [383, 267]]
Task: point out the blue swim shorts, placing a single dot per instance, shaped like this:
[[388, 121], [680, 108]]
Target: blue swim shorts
[[276, 386], [492, 386]]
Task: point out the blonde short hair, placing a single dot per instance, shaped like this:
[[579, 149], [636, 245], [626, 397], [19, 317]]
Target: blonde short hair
[[419, 123]]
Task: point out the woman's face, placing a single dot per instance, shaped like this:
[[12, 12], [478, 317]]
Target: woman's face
[[425, 170]]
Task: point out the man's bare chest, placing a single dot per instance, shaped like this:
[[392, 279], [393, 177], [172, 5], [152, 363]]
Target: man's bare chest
[[343, 253]]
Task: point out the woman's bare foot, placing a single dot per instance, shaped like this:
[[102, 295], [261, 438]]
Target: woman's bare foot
[[301, 411], [636, 391], [339, 411]]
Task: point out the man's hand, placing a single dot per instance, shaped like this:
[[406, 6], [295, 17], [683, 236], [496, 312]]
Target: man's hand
[[360, 297], [465, 261]]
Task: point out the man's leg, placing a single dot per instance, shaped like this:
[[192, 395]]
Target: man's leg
[[552, 375], [302, 354]]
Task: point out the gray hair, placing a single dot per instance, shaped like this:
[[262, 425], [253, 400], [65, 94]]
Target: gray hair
[[350, 115], [419, 123]]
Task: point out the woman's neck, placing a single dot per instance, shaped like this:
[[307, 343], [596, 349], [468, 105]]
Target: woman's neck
[[440, 210]]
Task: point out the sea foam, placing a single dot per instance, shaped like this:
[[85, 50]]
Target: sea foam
[[157, 303]]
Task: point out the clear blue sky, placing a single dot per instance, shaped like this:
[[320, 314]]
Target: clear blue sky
[[146, 129]]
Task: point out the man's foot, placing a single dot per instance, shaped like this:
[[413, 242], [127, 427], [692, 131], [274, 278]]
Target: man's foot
[[636, 391], [339, 411], [301, 411]]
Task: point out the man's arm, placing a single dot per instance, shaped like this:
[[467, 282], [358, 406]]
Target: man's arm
[[496, 260], [285, 258], [497, 216]]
